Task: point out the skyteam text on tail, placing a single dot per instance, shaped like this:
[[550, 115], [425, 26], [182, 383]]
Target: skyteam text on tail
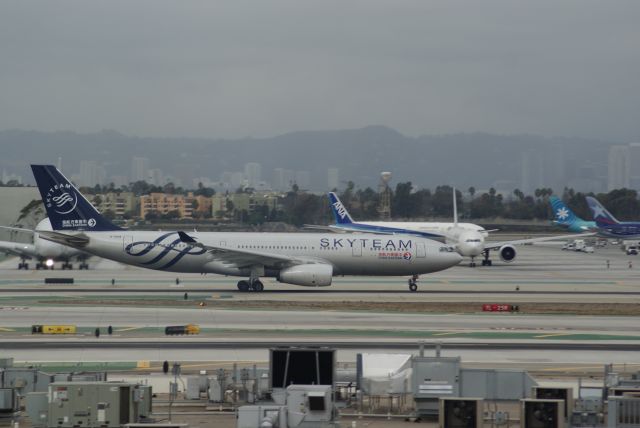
[[66, 207]]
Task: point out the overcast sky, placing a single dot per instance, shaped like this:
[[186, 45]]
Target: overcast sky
[[261, 68]]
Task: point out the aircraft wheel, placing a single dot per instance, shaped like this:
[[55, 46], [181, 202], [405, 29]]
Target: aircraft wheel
[[243, 285], [258, 286], [413, 287]]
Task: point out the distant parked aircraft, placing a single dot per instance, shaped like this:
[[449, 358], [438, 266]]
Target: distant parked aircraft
[[468, 239], [608, 226], [563, 216], [44, 252]]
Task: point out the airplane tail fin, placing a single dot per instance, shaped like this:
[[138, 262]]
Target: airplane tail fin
[[339, 211], [66, 207], [562, 214], [601, 215]]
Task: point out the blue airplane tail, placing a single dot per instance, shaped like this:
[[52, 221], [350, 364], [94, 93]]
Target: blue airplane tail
[[66, 207], [601, 216], [339, 211], [561, 213]]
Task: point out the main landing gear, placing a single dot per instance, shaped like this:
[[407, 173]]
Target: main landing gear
[[255, 285], [23, 264], [486, 261], [413, 283]]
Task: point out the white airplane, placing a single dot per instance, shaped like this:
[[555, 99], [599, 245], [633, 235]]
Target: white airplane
[[468, 239], [45, 252], [307, 259]]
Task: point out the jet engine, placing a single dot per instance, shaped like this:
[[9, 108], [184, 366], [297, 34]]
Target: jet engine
[[507, 253], [310, 275]]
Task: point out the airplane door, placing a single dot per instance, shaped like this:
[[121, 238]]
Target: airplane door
[[421, 251], [223, 243], [126, 240], [356, 250]]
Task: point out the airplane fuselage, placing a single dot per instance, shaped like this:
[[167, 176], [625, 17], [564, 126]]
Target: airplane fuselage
[[467, 238], [621, 230], [356, 254]]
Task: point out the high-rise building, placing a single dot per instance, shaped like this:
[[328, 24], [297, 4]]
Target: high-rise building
[[237, 180], [618, 167], [155, 177], [91, 174], [139, 169], [302, 179], [532, 171], [333, 178], [634, 166], [253, 173], [283, 179]]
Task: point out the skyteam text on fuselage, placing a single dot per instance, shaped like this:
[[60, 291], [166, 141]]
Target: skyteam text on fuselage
[[608, 226], [308, 259], [563, 216]]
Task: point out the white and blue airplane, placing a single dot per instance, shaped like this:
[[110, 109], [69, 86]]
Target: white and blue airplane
[[307, 259], [468, 239]]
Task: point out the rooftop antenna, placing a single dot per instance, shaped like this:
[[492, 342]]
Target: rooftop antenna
[[455, 208]]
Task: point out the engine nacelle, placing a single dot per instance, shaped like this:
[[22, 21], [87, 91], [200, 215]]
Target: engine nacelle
[[507, 253], [310, 275]]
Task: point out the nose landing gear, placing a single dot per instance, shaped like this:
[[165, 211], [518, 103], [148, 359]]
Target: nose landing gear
[[413, 283], [473, 262], [486, 261]]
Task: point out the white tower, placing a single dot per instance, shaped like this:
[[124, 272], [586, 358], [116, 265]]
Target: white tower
[[384, 206]]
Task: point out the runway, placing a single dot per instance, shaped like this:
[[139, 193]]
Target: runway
[[541, 273], [139, 303]]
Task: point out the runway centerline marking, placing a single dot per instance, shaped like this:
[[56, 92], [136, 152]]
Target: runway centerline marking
[[128, 329], [448, 333], [554, 335]]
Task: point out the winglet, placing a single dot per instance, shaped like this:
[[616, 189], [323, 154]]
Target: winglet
[[186, 238], [339, 211], [601, 216]]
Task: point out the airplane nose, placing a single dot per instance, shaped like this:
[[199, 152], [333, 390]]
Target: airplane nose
[[446, 260]]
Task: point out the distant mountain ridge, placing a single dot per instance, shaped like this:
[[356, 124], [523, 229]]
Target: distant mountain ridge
[[463, 160]]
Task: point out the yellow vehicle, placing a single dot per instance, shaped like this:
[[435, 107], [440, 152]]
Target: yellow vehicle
[[182, 329], [53, 329]]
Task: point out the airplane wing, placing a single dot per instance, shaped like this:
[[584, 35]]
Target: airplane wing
[[19, 249], [72, 240], [247, 258], [18, 229], [497, 245], [325, 228]]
